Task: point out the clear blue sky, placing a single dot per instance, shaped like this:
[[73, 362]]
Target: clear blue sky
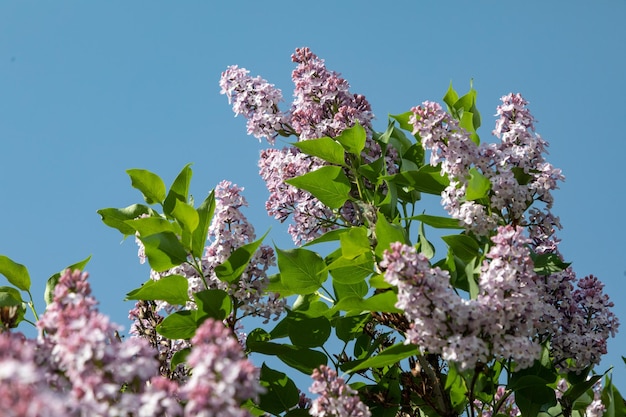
[[90, 89]]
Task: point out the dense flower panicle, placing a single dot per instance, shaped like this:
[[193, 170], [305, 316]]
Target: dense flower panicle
[[228, 231], [441, 321], [499, 323], [335, 397], [84, 356], [161, 398], [509, 297], [585, 323], [256, 100], [222, 377], [311, 217], [515, 167], [25, 392], [323, 104]]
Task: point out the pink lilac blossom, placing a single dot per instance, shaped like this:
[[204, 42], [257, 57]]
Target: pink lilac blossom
[[223, 378], [311, 218], [84, 356], [515, 167], [335, 397], [499, 323], [322, 106], [23, 382], [256, 100], [228, 231]]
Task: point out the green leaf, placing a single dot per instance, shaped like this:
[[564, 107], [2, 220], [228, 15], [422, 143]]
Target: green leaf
[[358, 289], [179, 357], [425, 246], [355, 242], [437, 222], [147, 226], [10, 297], [329, 236], [205, 215], [213, 303], [463, 246], [324, 148], [116, 218], [301, 270], [17, 274], [178, 325], [403, 120], [478, 186], [386, 234], [350, 327], [387, 357], [281, 392], [179, 191], [329, 184], [164, 251], [548, 264], [186, 215], [150, 185], [172, 288], [383, 302], [54, 279], [451, 97], [352, 271], [353, 139], [238, 261], [427, 179], [302, 359], [308, 331]]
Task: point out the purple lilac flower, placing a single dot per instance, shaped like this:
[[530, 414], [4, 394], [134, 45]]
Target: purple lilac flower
[[335, 397], [256, 100], [223, 378]]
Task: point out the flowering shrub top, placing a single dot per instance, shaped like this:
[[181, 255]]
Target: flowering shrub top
[[497, 325]]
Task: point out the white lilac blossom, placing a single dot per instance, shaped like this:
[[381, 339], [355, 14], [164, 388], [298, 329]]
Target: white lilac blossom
[[223, 378], [256, 100], [335, 397]]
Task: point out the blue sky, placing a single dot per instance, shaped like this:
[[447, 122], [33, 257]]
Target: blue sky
[[90, 89]]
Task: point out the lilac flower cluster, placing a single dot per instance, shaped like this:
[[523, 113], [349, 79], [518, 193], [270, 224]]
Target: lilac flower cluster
[[228, 231], [256, 100], [222, 377], [515, 167], [84, 356], [23, 381], [336, 398], [514, 311], [78, 366], [322, 106]]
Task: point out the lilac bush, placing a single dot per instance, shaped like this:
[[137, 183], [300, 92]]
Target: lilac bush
[[384, 325]]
